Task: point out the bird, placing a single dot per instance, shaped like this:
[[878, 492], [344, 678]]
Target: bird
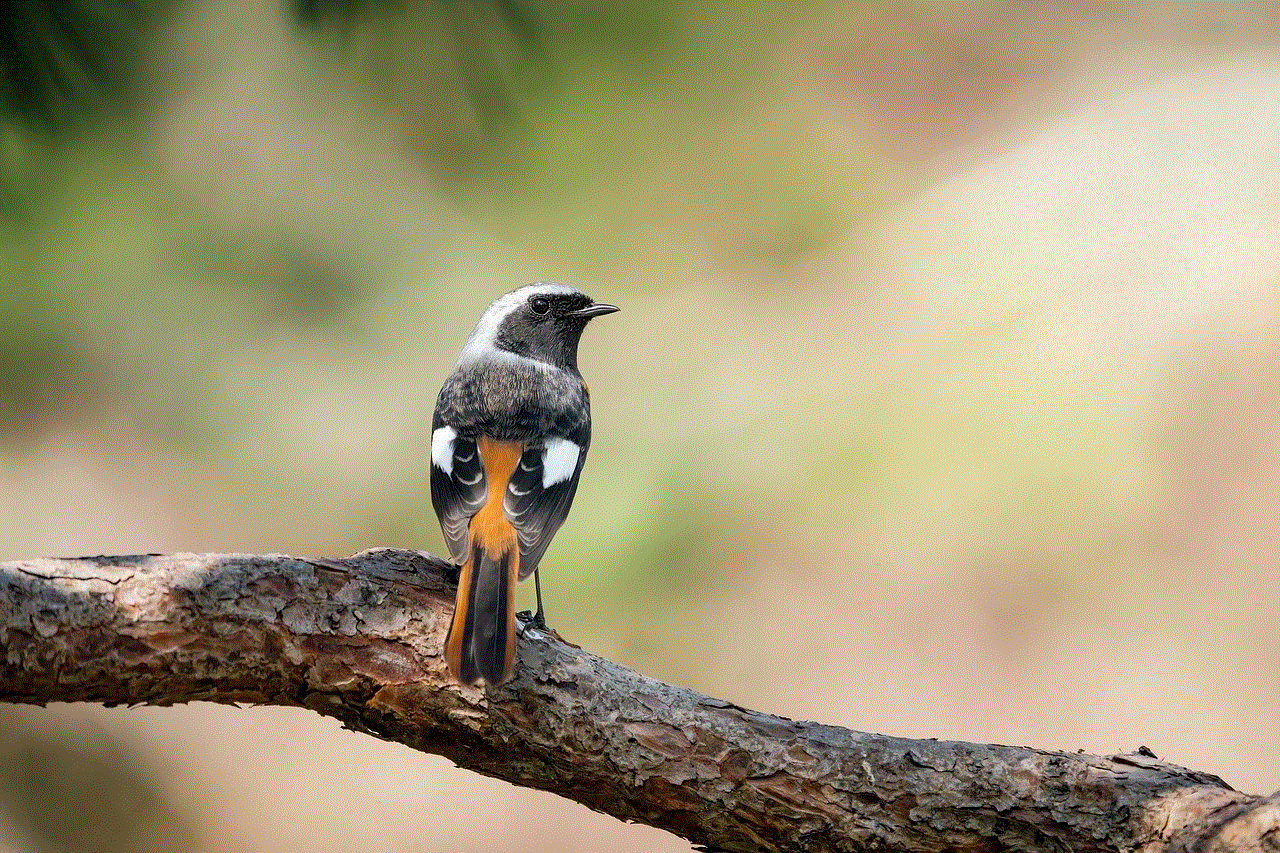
[[509, 437]]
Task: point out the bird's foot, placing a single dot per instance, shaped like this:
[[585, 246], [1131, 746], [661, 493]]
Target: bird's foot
[[531, 620]]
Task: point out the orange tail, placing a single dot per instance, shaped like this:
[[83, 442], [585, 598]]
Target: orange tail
[[482, 636]]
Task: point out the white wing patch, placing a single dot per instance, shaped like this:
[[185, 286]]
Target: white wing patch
[[442, 448], [559, 461]]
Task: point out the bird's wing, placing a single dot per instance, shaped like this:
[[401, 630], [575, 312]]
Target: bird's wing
[[457, 486], [541, 491]]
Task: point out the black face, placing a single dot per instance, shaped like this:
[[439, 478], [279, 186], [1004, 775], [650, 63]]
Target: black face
[[556, 304], [547, 327]]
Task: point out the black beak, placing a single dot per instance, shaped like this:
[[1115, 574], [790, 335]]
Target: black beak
[[599, 309]]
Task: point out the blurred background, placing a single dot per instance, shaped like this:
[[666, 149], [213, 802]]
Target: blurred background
[[943, 402]]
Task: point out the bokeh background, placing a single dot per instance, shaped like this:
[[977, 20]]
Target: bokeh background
[[944, 400]]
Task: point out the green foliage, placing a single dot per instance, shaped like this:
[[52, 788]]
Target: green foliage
[[60, 59]]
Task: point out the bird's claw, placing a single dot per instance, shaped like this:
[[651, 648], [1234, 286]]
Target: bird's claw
[[531, 620]]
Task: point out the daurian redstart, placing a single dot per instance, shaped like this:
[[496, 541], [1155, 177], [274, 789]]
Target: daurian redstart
[[509, 437]]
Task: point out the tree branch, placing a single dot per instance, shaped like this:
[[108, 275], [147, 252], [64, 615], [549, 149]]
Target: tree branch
[[359, 639]]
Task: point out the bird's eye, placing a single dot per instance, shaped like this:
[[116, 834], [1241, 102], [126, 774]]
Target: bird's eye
[[539, 305]]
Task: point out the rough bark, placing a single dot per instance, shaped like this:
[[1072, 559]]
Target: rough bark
[[359, 639]]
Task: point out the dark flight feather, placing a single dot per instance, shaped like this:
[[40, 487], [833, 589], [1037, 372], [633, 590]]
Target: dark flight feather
[[536, 511]]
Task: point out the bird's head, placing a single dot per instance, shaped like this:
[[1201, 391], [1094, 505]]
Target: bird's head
[[541, 321]]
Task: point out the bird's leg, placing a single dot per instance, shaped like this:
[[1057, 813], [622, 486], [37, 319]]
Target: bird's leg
[[537, 589], [533, 620]]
